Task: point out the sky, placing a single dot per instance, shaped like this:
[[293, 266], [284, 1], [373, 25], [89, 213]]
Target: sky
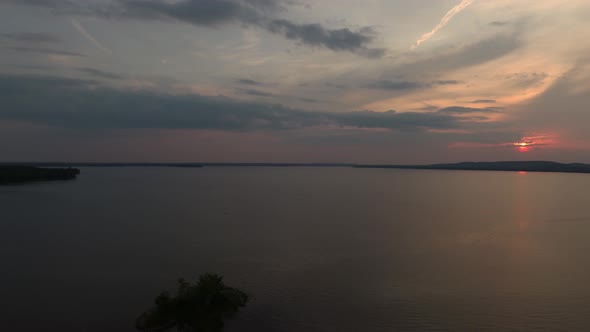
[[338, 81]]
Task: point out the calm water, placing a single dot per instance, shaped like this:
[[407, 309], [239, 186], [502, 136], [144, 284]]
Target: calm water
[[320, 249]]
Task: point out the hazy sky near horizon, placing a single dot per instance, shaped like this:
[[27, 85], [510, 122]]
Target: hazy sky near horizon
[[367, 81]]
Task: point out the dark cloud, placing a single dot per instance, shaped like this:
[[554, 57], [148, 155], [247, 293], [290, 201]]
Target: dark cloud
[[246, 81], [259, 93], [254, 92], [197, 12], [447, 82], [395, 120], [482, 51], [40, 50], [395, 85], [525, 79], [336, 85], [77, 103], [30, 37], [467, 110], [408, 85], [372, 53], [563, 105], [499, 23], [34, 67], [260, 13], [427, 107], [317, 35], [100, 73], [42, 3], [483, 101], [9, 84], [308, 100], [464, 57]]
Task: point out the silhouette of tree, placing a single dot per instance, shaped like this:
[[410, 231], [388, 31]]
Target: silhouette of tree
[[11, 174], [200, 307]]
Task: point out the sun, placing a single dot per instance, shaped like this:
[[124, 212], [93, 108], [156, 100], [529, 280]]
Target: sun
[[534, 142], [523, 146]]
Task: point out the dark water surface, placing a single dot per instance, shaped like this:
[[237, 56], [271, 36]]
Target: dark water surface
[[320, 249]]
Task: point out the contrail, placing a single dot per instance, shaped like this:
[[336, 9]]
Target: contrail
[[88, 36], [445, 20]]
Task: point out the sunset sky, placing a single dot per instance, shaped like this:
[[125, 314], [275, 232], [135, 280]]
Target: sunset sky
[[360, 81]]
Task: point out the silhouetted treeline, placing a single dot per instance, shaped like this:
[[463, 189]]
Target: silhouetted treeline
[[186, 165], [200, 307], [19, 174], [527, 166]]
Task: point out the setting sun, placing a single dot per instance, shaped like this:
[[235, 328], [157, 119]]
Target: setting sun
[[523, 146]]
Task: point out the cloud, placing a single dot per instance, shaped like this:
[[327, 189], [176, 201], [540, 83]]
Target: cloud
[[9, 84], [197, 12], [259, 13], [447, 82], [394, 85], [78, 103], [100, 74], [338, 86], [396, 120], [467, 110], [562, 108], [427, 107], [246, 81], [443, 22], [499, 23], [254, 92], [259, 93], [317, 35], [483, 101], [474, 54], [78, 26], [41, 3], [30, 37], [525, 79], [308, 100], [408, 85], [45, 51]]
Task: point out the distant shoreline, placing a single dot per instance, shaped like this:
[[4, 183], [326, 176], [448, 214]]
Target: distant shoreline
[[180, 165], [509, 166], [501, 166]]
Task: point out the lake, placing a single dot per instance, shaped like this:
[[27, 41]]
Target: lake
[[319, 249]]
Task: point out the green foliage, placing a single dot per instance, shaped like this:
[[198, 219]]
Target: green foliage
[[200, 307]]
